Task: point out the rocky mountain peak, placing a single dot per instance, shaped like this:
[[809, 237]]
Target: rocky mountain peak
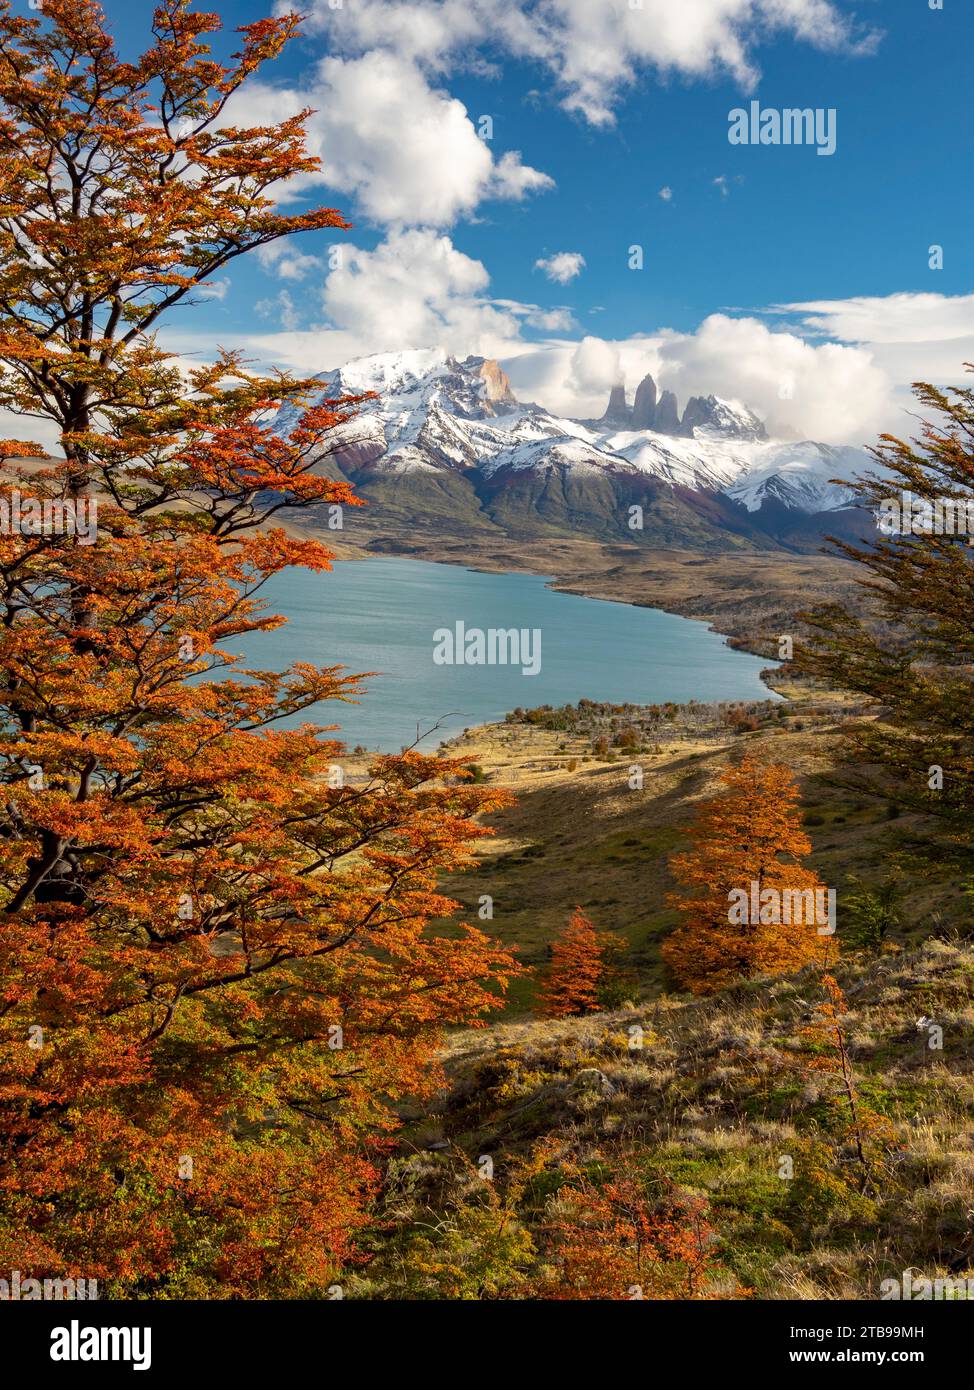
[[712, 415], [644, 406], [432, 414], [617, 411], [667, 414], [497, 384], [708, 414]]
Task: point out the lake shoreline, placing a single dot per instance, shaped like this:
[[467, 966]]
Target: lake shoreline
[[576, 574], [381, 617]]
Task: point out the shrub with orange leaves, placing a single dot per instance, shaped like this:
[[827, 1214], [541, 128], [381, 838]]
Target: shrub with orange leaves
[[608, 1237]]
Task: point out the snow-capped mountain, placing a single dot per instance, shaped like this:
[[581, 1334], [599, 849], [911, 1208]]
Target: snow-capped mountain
[[436, 417], [799, 476]]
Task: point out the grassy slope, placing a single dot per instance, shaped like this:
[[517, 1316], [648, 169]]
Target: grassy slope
[[722, 1090], [583, 837]]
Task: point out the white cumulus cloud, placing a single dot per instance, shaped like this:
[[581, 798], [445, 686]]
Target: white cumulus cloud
[[562, 266], [833, 392], [592, 49], [285, 261], [911, 336], [416, 290], [407, 152]]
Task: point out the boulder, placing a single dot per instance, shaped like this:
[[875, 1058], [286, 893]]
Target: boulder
[[590, 1081]]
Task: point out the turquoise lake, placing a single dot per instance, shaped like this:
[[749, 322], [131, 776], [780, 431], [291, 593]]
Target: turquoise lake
[[381, 615]]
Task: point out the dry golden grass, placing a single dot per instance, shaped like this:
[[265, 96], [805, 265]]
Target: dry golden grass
[[712, 1098]]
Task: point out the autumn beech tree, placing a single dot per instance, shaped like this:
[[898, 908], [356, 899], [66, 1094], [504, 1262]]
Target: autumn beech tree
[[216, 973], [907, 643], [747, 904], [579, 965]]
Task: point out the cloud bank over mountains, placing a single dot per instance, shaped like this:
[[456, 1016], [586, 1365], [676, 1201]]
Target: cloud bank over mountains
[[410, 156], [416, 289]]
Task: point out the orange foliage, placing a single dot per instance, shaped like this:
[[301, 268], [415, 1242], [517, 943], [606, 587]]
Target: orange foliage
[[611, 1240], [750, 835], [22, 448], [215, 970], [570, 985]]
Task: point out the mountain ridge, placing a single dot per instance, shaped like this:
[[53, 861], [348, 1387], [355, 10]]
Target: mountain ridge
[[448, 438]]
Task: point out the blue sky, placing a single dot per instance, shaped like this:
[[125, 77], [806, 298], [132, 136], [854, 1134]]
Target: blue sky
[[595, 109]]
